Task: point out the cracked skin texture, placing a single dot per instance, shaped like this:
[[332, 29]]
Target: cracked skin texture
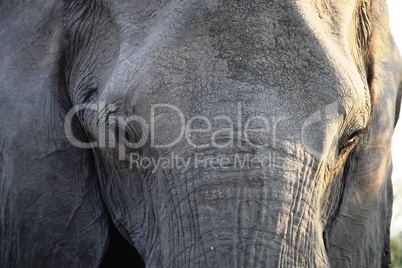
[[284, 60]]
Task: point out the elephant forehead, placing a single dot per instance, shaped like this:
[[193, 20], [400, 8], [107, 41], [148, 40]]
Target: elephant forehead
[[200, 56]]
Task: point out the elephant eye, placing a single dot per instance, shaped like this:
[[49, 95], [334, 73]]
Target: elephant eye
[[350, 142]]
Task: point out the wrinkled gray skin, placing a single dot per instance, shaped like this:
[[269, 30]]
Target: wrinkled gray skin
[[277, 59]]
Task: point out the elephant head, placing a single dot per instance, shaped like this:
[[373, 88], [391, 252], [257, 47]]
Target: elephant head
[[207, 133]]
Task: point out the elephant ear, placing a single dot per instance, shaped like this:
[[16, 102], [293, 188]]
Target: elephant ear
[[359, 235]]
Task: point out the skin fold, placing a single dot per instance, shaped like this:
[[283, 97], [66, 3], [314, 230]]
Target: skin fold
[[172, 133]]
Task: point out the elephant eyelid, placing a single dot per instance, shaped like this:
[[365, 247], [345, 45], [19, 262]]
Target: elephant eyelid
[[88, 95], [351, 141]]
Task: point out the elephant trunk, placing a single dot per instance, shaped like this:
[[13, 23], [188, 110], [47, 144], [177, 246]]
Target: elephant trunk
[[265, 215]]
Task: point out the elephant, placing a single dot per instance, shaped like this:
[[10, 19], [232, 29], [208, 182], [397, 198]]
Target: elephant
[[166, 133]]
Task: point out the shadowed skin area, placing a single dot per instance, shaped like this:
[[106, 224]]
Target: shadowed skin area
[[323, 75]]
